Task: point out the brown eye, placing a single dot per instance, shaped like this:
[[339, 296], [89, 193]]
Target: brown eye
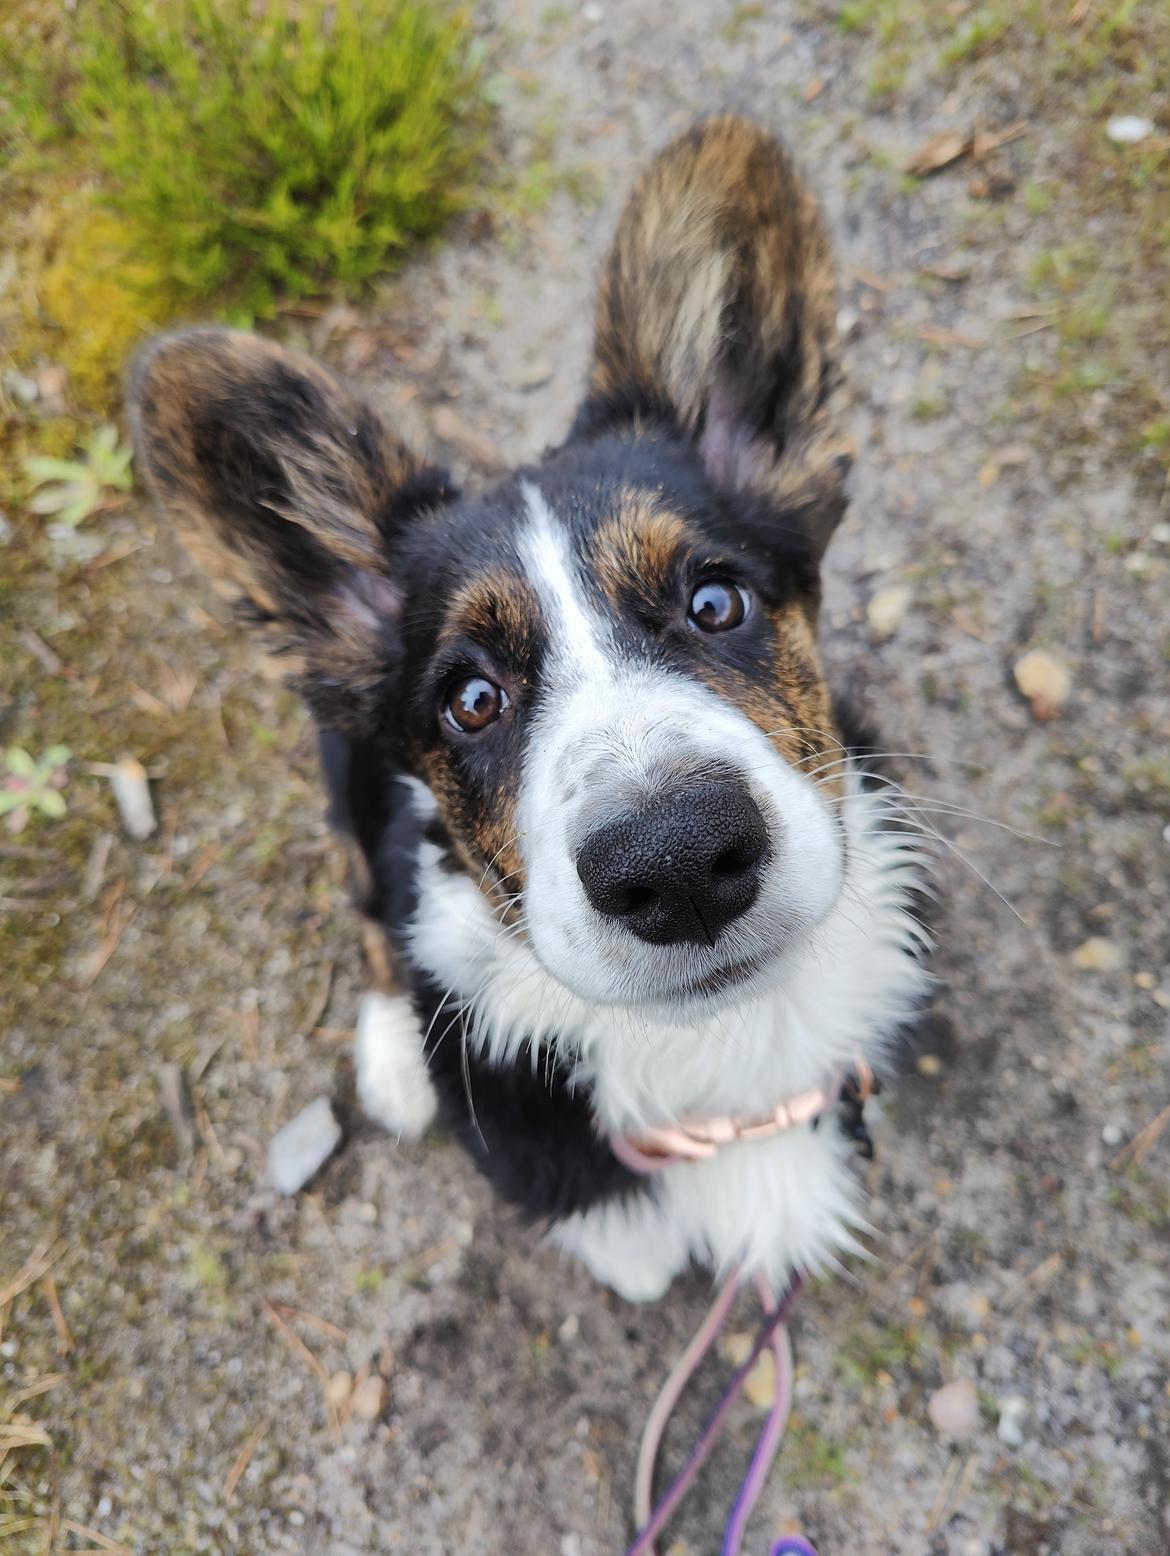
[[717, 606], [474, 703]]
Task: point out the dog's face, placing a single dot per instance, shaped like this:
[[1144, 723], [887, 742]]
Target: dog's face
[[604, 670]]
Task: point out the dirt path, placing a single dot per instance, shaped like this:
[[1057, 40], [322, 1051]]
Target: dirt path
[[1025, 1222]]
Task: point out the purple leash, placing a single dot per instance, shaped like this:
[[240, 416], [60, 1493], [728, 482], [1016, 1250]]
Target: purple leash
[[770, 1333], [653, 1151]]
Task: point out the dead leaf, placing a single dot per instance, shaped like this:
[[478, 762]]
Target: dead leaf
[[944, 272], [1097, 955], [812, 89], [474, 445], [984, 142], [938, 151], [934, 336], [760, 1385]]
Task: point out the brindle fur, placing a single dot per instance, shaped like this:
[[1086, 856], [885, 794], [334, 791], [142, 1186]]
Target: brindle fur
[[718, 302], [284, 487]]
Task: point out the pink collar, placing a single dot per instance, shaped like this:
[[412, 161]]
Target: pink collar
[[698, 1140]]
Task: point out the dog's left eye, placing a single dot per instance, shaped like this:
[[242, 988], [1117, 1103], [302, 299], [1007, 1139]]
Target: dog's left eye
[[474, 703], [718, 605]]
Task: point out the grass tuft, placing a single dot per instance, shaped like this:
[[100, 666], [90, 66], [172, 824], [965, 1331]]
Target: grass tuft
[[218, 157], [261, 153]]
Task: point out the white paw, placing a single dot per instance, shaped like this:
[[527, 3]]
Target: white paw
[[634, 1282], [629, 1247], [393, 1086]]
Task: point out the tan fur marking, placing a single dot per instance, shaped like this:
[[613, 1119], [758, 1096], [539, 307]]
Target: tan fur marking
[[639, 550]]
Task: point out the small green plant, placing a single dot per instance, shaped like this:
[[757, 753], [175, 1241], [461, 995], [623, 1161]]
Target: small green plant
[[984, 29], [72, 490], [264, 151], [33, 785]]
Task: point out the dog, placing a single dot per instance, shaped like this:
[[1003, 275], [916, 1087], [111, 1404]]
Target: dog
[[624, 867]]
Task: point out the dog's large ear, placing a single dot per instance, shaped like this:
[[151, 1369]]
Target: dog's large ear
[[717, 310], [288, 491]]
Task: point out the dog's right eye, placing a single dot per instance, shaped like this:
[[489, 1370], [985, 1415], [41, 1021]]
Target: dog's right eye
[[474, 703]]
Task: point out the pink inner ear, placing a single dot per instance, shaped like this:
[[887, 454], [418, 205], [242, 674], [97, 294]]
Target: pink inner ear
[[730, 455], [369, 599]]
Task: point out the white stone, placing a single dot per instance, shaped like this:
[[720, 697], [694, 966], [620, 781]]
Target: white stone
[[303, 1146], [1013, 1411], [1127, 129], [954, 1408]]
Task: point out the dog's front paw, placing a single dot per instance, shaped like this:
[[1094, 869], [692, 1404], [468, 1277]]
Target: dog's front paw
[[393, 1085], [628, 1247]]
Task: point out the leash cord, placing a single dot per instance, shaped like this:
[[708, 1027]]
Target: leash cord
[[770, 1333]]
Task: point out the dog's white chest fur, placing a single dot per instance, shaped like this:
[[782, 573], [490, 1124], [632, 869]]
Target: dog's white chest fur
[[770, 1205]]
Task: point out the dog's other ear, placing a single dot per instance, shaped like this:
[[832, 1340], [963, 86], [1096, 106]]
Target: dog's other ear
[[717, 310], [288, 491]]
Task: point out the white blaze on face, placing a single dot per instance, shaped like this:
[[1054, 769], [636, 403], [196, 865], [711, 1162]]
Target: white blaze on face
[[611, 733], [576, 636]]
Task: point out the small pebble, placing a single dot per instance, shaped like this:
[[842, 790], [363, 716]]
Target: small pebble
[[132, 796], [1112, 1135], [370, 1398], [1097, 955], [1128, 128], [303, 1146], [569, 1330], [593, 13], [887, 609], [1044, 680], [1013, 1411], [954, 1408], [20, 387]]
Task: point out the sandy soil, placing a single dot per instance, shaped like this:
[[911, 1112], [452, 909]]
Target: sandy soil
[[1023, 1219]]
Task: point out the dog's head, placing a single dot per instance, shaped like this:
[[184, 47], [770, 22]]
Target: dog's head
[[605, 668]]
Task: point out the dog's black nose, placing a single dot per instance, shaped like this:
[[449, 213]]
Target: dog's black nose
[[680, 867]]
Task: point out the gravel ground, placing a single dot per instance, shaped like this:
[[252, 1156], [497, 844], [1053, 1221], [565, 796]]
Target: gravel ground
[[1022, 1216]]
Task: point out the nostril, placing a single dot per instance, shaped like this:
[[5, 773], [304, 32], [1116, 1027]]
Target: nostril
[[742, 854], [735, 860], [636, 899]]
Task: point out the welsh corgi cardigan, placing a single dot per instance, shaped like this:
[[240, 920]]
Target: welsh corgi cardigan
[[622, 865]]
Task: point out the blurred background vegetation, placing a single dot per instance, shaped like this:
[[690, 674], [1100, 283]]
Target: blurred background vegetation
[[210, 157]]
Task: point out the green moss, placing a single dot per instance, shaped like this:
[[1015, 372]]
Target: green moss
[[742, 17], [207, 1268], [812, 1459], [928, 407]]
